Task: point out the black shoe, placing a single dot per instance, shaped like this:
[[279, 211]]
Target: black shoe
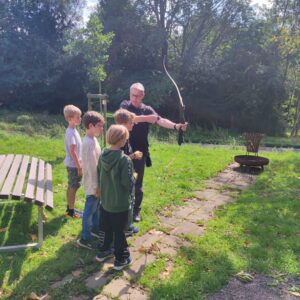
[[103, 255], [120, 265], [97, 234], [85, 244], [136, 217], [131, 231]]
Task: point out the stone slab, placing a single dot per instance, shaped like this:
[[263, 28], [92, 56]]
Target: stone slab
[[117, 288], [186, 228], [98, 280], [137, 267]]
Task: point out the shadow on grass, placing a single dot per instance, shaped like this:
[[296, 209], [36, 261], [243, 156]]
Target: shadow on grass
[[258, 233], [15, 221], [56, 161], [49, 271], [22, 228]]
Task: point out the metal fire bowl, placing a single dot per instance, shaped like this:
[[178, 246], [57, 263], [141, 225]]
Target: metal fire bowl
[[251, 160]]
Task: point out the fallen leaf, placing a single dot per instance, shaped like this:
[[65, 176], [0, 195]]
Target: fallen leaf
[[3, 229], [297, 294], [33, 296], [142, 249], [34, 237], [45, 217], [76, 273], [153, 248], [246, 243]]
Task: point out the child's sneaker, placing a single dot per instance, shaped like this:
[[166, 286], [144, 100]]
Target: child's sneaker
[[78, 213], [103, 255], [120, 265], [97, 234], [131, 231], [85, 244], [72, 214]]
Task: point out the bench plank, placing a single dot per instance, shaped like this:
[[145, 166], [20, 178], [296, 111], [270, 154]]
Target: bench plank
[[29, 194], [11, 177], [2, 157], [39, 197], [5, 167], [17, 192], [49, 192]]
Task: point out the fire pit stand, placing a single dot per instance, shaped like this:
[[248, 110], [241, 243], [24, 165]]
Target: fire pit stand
[[252, 144]]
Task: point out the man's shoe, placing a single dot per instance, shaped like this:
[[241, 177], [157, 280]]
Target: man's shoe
[[131, 231], [85, 244], [120, 265], [136, 217], [103, 255]]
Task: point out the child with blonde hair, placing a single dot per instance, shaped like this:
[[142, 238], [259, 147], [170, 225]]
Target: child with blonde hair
[[72, 160], [127, 119], [116, 181]]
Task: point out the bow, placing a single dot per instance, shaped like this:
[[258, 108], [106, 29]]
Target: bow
[[180, 139]]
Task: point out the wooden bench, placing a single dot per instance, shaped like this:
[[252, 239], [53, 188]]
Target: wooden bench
[[30, 179]]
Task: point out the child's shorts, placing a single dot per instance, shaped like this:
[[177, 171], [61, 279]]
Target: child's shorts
[[74, 180]]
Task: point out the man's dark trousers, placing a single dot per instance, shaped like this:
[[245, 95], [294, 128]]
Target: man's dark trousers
[[139, 167]]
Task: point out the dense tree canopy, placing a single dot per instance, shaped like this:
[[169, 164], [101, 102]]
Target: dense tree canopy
[[236, 69]]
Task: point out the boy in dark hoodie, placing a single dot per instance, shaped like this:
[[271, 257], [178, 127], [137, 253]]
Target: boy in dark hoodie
[[116, 181]]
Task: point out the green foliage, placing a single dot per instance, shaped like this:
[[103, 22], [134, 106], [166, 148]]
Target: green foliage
[[35, 73], [93, 45]]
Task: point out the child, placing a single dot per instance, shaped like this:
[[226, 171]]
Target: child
[[72, 161], [126, 118], [93, 123], [116, 182]]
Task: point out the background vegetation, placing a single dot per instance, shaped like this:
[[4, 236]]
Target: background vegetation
[[237, 68]]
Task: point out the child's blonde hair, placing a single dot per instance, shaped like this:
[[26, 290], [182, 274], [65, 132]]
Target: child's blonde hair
[[92, 117], [123, 116], [117, 134], [70, 111]]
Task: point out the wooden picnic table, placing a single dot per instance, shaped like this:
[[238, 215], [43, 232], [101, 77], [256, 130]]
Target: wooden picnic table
[[30, 179]]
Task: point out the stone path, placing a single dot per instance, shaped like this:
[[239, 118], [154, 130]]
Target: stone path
[[175, 222]]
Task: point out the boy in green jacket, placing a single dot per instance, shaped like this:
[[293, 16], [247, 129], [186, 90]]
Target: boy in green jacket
[[116, 181]]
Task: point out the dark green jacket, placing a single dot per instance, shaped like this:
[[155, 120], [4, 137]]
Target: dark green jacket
[[116, 181]]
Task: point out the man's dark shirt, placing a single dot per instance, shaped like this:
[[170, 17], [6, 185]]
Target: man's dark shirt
[[127, 148], [139, 135]]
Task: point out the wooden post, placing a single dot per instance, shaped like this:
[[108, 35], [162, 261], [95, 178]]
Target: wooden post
[[102, 98]]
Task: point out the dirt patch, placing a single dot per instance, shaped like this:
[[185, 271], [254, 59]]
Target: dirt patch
[[261, 287]]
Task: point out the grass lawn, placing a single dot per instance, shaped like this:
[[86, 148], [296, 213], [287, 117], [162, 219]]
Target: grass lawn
[[260, 232], [174, 176]]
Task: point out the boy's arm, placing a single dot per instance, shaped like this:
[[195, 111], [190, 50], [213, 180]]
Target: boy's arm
[[127, 178], [89, 161], [74, 155]]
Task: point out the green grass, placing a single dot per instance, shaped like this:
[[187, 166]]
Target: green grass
[[176, 172], [260, 232]]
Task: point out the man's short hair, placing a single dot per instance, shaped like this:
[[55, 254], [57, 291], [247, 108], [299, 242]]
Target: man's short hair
[[123, 116], [116, 134], [137, 86], [92, 117], [70, 111]]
